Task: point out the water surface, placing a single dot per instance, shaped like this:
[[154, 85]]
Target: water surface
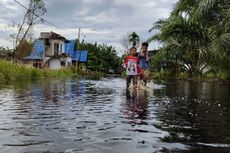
[[100, 116]]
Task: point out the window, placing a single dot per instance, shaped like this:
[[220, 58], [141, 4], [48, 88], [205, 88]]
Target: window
[[56, 48], [63, 63], [60, 48], [37, 64], [69, 64]]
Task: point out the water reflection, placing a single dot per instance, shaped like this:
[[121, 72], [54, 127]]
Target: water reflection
[[196, 114], [101, 116], [137, 104]]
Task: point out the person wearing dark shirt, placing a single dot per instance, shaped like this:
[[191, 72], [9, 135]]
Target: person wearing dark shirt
[[144, 62]]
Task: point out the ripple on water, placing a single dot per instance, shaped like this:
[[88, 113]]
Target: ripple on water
[[101, 116]]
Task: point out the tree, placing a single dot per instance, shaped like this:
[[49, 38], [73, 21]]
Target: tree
[[101, 57], [23, 49], [134, 39], [196, 33], [125, 42], [35, 10], [6, 53]]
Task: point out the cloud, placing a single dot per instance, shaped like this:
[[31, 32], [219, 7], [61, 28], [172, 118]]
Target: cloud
[[103, 21]]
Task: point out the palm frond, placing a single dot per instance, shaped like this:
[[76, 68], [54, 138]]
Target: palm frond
[[184, 6], [155, 37], [158, 25], [220, 44], [205, 6]]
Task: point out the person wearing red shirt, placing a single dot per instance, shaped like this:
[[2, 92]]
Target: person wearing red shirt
[[132, 67]]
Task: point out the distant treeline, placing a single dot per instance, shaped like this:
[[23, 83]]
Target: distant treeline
[[102, 58]]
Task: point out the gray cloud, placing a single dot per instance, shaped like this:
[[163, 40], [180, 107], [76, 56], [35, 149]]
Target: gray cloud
[[104, 21]]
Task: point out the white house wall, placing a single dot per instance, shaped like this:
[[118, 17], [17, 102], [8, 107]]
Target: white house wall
[[50, 49], [61, 47], [68, 61], [58, 42], [45, 59], [55, 64]]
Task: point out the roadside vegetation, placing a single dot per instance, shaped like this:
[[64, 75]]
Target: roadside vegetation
[[10, 71], [101, 59], [195, 41]]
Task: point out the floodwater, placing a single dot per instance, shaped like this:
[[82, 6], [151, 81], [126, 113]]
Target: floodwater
[[100, 116]]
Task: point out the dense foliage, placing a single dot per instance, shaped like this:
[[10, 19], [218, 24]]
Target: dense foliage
[[23, 49], [195, 38], [134, 39], [6, 53], [101, 57]]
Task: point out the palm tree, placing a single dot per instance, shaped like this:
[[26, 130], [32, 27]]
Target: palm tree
[[134, 39], [196, 32], [213, 15], [101, 57]]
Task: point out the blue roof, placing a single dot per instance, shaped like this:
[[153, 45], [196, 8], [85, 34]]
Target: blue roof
[[39, 48], [83, 57], [37, 51], [69, 47], [80, 55]]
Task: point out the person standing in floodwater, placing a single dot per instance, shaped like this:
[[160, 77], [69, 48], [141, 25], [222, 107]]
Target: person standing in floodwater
[[144, 62], [132, 67]]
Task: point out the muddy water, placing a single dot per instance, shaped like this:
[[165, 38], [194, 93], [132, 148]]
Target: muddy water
[[100, 116]]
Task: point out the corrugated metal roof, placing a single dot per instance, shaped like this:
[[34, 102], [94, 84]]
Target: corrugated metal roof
[[37, 51], [80, 56], [83, 57], [39, 48], [69, 47]]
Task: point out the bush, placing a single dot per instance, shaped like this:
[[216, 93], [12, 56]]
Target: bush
[[13, 71], [223, 75], [183, 76], [163, 74]]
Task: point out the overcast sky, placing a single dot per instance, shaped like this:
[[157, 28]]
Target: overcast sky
[[103, 21]]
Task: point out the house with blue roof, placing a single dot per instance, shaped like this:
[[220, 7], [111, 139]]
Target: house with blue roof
[[54, 51]]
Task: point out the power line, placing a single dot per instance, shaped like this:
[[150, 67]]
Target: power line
[[36, 14], [43, 19], [6, 7]]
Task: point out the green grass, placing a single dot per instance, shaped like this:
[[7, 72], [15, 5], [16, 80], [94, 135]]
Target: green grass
[[162, 74], [220, 74], [182, 76], [10, 71], [210, 76]]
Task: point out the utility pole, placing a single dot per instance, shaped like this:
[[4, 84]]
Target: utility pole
[[79, 34], [78, 47]]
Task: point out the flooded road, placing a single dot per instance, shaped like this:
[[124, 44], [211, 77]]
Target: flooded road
[[100, 116]]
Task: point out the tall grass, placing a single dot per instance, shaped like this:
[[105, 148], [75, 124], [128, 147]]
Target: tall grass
[[11, 71], [163, 74], [219, 74]]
